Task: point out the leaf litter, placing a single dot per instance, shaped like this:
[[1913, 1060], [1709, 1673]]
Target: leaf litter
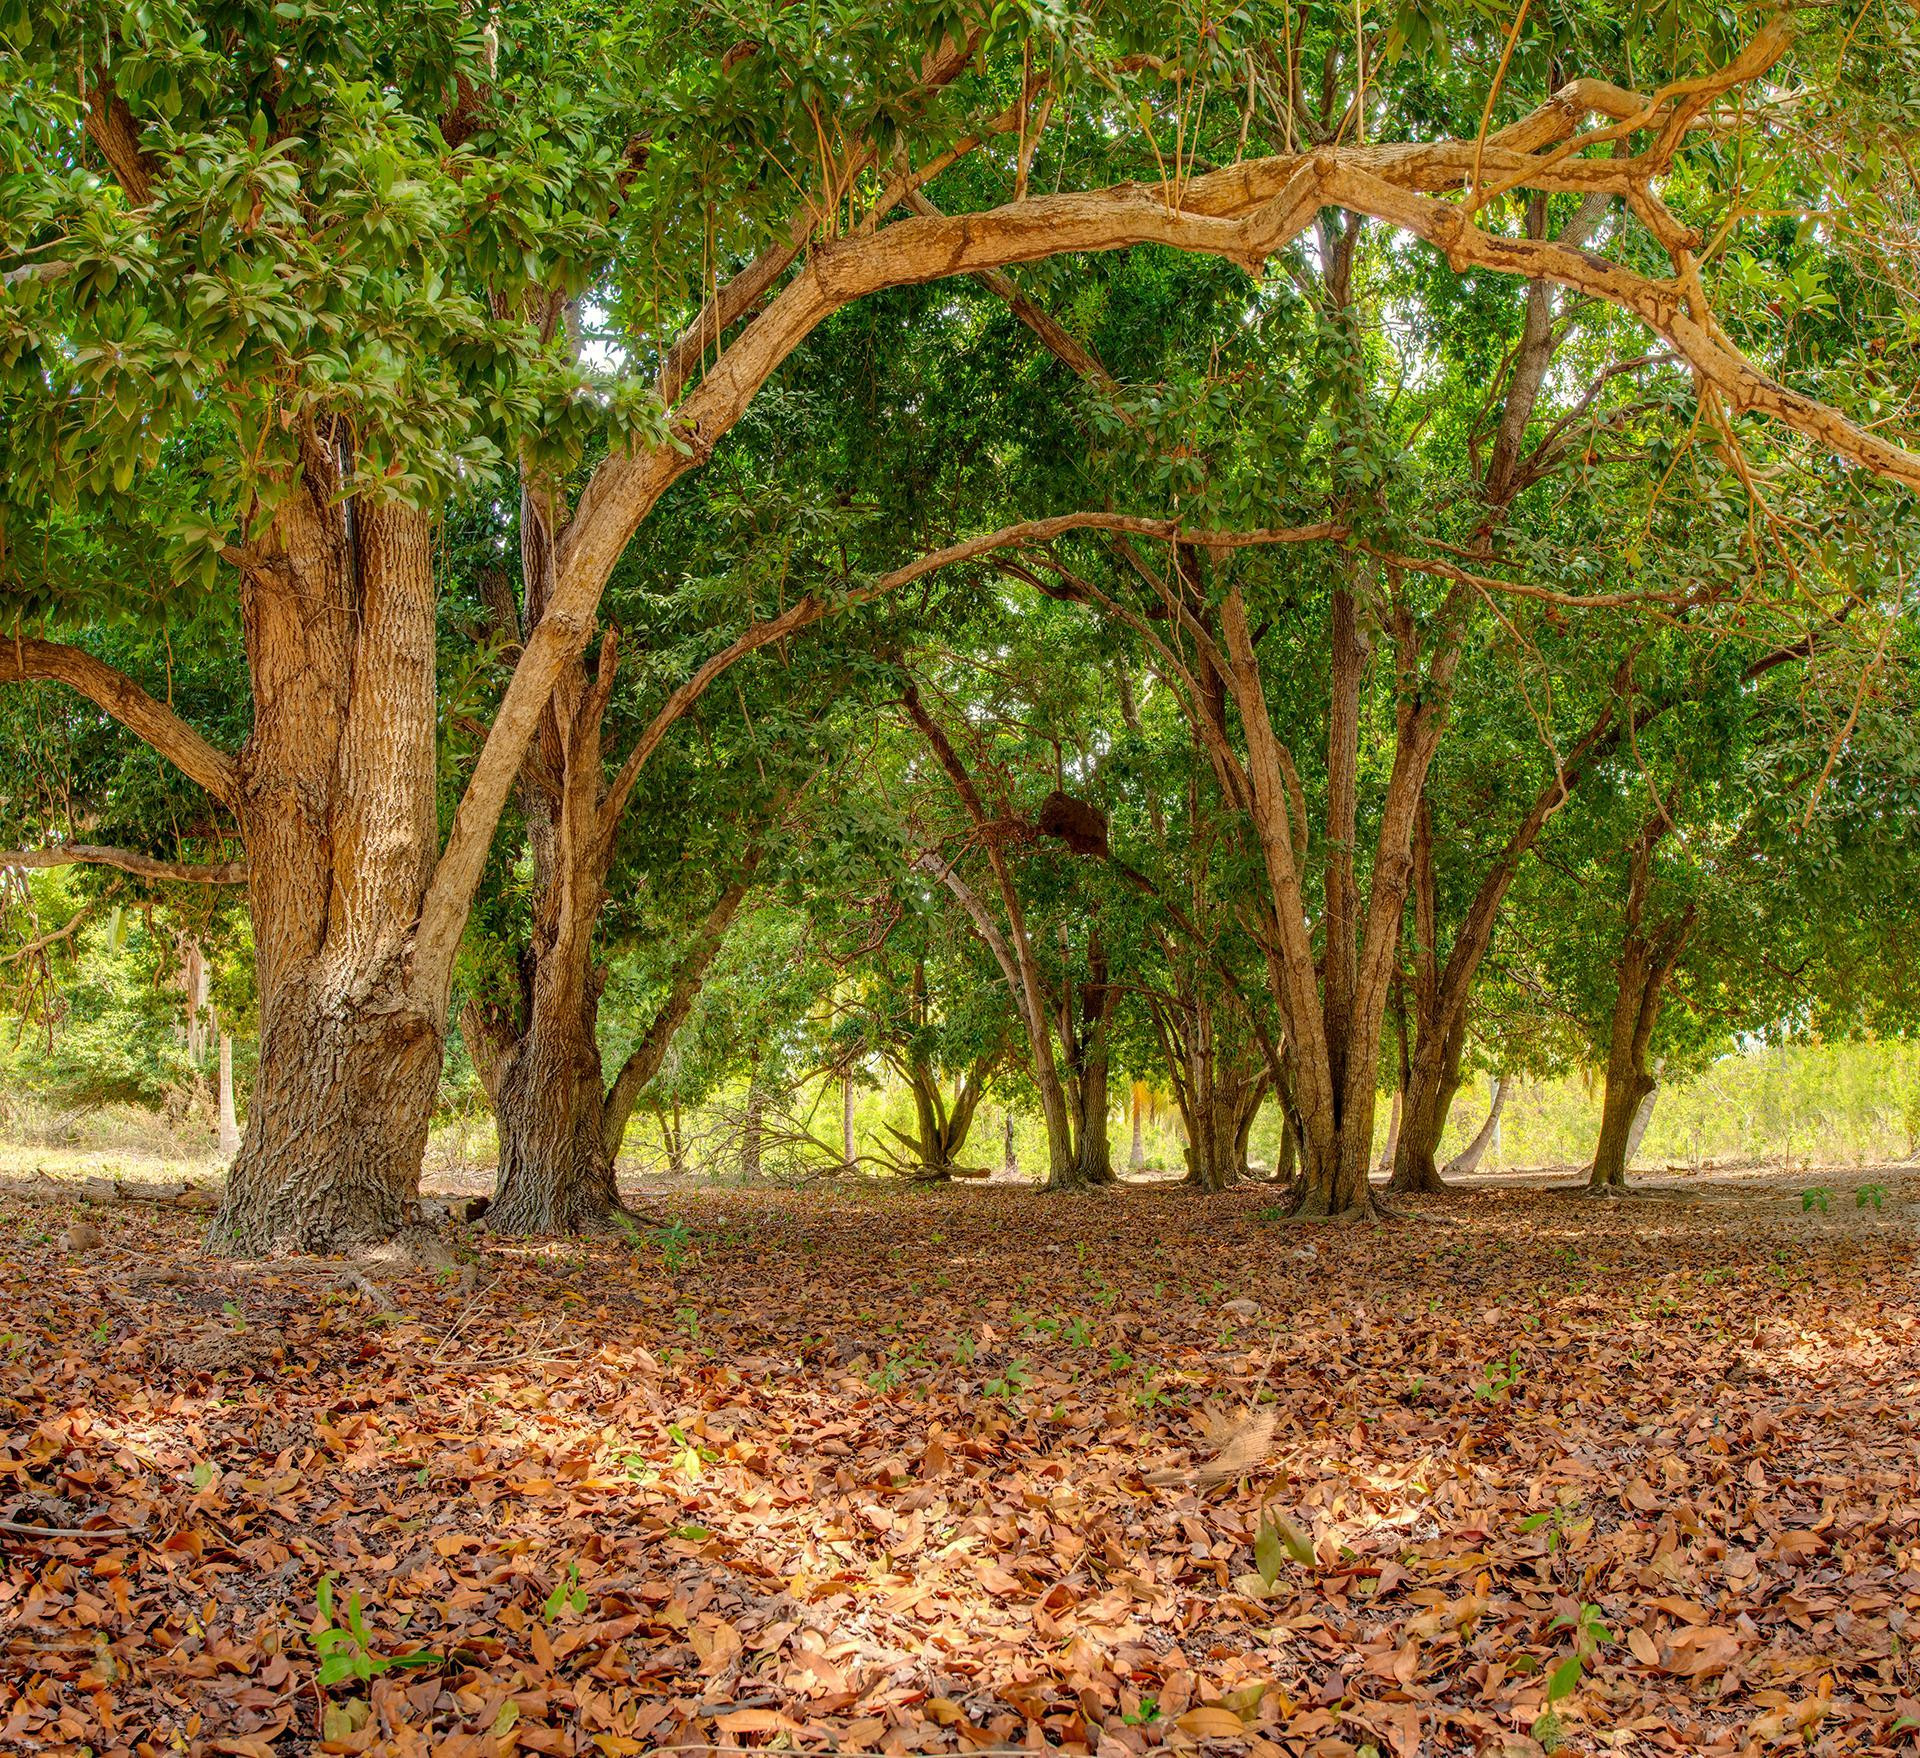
[[972, 1472]]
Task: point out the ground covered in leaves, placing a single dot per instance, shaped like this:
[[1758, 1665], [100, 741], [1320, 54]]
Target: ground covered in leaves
[[973, 1472]]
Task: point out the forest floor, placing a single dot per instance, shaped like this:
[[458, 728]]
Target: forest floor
[[975, 1470]]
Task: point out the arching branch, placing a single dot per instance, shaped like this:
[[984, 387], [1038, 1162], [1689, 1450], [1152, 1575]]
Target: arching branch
[[1244, 212], [23, 659], [87, 854]]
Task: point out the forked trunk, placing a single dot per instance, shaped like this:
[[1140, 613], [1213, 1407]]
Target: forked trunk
[[338, 812], [941, 1130]]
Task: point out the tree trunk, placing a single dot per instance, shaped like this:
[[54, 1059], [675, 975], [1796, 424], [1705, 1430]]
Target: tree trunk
[[1467, 1161], [1636, 1131], [229, 1126], [1392, 1145], [555, 1175], [1432, 1084], [337, 808], [751, 1129], [337, 1123], [941, 1130], [1010, 1160], [1091, 1052], [1648, 957], [848, 1159], [1137, 1150], [1288, 1162]]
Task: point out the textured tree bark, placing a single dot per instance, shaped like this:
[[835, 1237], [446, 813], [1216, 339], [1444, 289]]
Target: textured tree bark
[[336, 804], [555, 1174], [338, 1120], [848, 1159]]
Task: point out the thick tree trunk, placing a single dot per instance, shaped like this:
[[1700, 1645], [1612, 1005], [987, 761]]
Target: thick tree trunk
[[338, 1118], [229, 1123], [1467, 1161], [1432, 1084], [337, 806]]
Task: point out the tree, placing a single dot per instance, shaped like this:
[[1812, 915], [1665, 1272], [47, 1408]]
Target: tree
[[305, 276]]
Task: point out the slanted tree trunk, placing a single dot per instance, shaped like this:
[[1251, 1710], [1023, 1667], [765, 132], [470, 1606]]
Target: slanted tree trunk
[[229, 1124], [1467, 1161], [1642, 1117], [1649, 954]]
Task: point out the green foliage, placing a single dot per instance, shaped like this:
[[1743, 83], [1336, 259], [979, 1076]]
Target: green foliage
[[346, 1651]]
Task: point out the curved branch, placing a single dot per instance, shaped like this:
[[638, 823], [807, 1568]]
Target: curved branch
[[806, 611], [1245, 213], [87, 854], [24, 660]]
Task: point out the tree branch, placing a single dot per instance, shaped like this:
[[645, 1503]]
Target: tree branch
[[80, 854], [1244, 212], [23, 659]]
